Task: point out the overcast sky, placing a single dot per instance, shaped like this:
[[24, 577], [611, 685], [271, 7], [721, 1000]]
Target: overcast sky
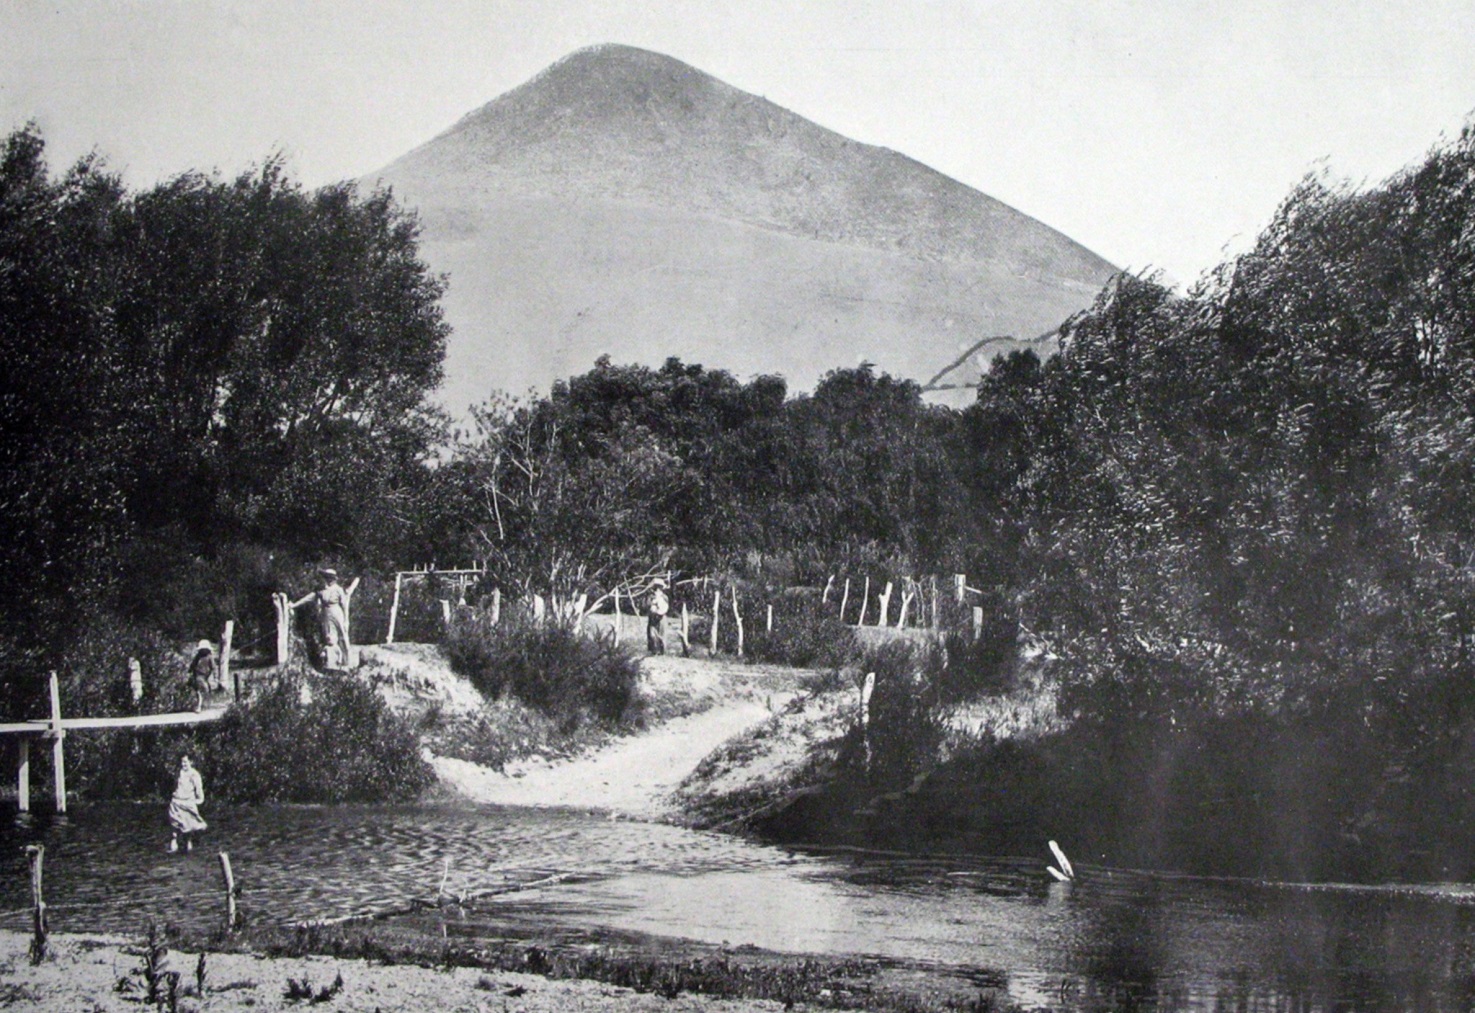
[[1156, 132]]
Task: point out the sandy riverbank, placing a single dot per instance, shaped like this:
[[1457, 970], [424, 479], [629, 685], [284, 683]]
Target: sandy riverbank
[[86, 973]]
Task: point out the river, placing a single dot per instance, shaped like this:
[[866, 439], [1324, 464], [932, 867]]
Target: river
[[1113, 939]]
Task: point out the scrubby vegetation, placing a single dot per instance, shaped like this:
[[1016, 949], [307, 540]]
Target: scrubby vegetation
[[548, 666]]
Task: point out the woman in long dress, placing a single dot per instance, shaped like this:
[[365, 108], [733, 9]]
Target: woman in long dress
[[333, 615], [184, 807]]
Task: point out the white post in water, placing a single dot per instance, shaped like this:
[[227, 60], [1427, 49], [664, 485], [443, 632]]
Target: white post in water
[[228, 880], [58, 734]]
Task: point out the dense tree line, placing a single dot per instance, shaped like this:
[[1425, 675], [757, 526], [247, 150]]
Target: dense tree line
[[206, 367], [1252, 501]]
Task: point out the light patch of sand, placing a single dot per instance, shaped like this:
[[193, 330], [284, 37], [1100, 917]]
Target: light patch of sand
[[632, 776], [83, 973], [413, 676]]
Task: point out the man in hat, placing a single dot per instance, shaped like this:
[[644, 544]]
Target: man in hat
[[655, 622]]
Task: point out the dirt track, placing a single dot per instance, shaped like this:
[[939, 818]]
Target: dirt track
[[634, 776]]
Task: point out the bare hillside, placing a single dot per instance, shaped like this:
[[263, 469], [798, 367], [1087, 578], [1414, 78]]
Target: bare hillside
[[625, 202]]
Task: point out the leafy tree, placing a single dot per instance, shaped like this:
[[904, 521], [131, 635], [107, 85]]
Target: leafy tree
[[206, 362]]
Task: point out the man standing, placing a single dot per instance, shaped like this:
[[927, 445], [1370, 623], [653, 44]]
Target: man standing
[[655, 624]]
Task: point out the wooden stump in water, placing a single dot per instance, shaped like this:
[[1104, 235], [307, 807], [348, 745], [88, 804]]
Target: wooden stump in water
[[229, 882], [35, 853]]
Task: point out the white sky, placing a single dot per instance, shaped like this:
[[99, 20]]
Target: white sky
[[1156, 132]]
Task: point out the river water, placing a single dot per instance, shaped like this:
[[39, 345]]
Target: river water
[[1111, 940]]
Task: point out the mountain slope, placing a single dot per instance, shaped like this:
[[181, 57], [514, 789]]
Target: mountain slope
[[624, 202]]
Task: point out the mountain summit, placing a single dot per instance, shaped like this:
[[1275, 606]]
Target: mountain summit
[[624, 202]]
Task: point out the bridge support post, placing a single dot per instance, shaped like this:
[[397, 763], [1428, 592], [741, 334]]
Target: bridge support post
[[58, 737], [225, 673], [23, 773]]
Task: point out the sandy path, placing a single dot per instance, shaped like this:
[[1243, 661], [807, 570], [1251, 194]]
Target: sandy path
[[634, 776]]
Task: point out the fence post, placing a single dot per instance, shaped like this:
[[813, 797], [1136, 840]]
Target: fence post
[[36, 853], [282, 607], [226, 636], [932, 584], [845, 599], [394, 608], [770, 619], [58, 756], [960, 584], [885, 604], [865, 599], [496, 605], [135, 680], [977, 621], [23, 773], [229, 881], [685, 632], [738, 618], [445, 613], [824, 599], [906, 601], [540, 608], [716, 615], [348, 658]]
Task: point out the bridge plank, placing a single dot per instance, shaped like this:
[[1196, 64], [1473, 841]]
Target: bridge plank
[[41, 726]]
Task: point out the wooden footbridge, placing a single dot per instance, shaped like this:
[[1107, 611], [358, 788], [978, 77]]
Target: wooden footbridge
[[54, 729]]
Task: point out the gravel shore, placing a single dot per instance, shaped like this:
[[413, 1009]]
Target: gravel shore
[[101, 974]]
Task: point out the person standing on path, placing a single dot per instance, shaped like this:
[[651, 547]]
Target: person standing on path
[[331, 601], [202, 672], [655, 623], [184, 807]]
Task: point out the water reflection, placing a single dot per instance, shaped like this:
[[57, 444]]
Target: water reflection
[[1109, 940]]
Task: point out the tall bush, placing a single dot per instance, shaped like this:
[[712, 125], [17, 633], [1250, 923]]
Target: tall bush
[[345, 746], [547, 666]]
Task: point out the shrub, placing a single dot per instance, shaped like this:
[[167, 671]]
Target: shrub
[[345, 746], [806, 633], [547, 666], [905, 730]]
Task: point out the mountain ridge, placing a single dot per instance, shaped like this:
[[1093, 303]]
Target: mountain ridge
[[611, 130]]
